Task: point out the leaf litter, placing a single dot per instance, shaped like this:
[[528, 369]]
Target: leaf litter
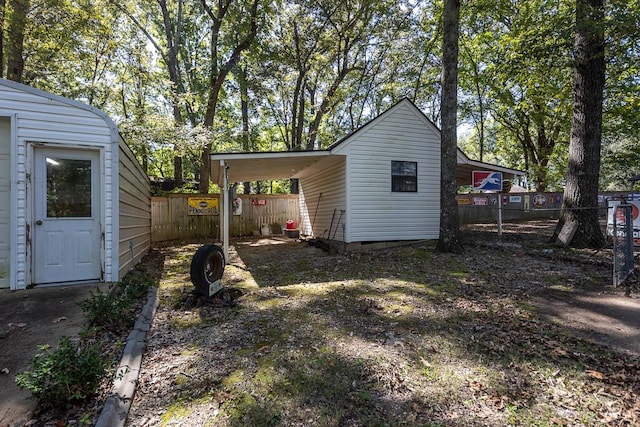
[[402, 336]]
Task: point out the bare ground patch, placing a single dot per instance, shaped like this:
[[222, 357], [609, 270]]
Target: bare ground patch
[[403, 336]]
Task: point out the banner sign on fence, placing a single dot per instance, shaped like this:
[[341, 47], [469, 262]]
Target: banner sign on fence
[[480, 201], [539, 200], [202, 206], [487, 180], [635, 213]]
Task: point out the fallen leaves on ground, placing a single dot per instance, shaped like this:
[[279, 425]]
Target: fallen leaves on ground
[[402, 336]]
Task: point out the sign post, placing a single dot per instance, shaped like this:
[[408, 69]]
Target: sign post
[[489, 181], [499, 217]]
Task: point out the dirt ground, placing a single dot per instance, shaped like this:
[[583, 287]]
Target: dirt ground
[[28, 319], [595, 311], [605, 316], [208, 363], [40, 316]]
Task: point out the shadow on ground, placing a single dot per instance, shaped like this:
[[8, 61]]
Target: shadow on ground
[[593, 311]]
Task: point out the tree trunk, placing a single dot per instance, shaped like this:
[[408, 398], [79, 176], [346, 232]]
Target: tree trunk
[[579, 208], [449, 228], [217, 77], [244, 108], [205, 170], [3, 22], [15, 39], [177, 171]]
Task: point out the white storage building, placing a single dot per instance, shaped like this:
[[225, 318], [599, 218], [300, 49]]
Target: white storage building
[[74, 202], [379, 183]]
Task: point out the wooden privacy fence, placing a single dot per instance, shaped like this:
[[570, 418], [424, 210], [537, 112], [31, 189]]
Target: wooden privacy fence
[[170, 219]]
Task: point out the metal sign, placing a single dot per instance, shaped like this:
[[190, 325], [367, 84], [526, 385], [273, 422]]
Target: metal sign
[[622, 243], [202, 206], [487, 180], [480, 201]]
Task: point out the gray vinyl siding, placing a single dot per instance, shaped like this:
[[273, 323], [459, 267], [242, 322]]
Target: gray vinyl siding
[[135, 211], [5, 201], [327, 178], [375, 213]]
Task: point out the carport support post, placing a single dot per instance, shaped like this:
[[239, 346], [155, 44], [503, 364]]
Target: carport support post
[[224, 212]]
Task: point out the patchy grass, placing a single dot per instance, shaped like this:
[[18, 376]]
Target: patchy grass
[[405, 336]]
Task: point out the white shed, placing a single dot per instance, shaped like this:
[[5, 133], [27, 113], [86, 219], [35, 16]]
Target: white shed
[[74, 202], [379, 183]]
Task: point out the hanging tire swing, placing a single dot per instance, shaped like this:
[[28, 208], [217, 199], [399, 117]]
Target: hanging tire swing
[[207, 268]]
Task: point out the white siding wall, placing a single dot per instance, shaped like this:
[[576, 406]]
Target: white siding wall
[[327, 178], [135, 211], [48, 119], [375, 213], [5, 201]]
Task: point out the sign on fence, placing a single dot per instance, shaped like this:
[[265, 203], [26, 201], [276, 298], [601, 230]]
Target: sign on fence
[[480, 201], [487, 181], [202, 206], [183, 217]]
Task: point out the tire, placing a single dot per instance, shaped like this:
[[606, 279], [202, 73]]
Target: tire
[[207, 267]]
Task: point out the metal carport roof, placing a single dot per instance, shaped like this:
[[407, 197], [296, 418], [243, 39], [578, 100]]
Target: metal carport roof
[[242, 167]]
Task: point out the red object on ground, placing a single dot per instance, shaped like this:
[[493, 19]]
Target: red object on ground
[[291, 225]]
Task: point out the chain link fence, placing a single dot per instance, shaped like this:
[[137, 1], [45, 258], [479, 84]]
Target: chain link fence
[[622, 237], [492, 211], [530, 221]]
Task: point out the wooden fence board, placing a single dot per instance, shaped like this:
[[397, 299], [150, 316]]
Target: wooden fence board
[[170, 221]]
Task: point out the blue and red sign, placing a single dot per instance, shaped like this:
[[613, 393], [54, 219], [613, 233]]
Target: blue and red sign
[[487, 180]]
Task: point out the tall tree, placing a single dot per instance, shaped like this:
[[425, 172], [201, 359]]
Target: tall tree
[[621, 121], [15, 37], [579, 208], [516, 71], [241, 77], [325, 55], [166, 37], [221, 66], [449, 227]]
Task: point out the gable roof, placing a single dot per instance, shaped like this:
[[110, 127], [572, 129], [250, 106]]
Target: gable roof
[[380, 117]]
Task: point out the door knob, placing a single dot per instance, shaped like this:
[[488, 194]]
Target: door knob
[[39, 222]]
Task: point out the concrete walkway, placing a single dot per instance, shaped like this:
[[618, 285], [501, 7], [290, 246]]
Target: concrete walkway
[[35, 317], [30, 318]]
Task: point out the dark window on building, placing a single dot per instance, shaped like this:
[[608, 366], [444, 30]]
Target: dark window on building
[[404, 176]]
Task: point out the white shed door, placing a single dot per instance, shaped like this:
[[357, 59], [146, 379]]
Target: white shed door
[[66, 244]]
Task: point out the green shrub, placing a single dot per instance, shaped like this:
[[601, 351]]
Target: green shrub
[[136, 284], [60, 378], [67, 375], [108, 310], [113, 310]]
